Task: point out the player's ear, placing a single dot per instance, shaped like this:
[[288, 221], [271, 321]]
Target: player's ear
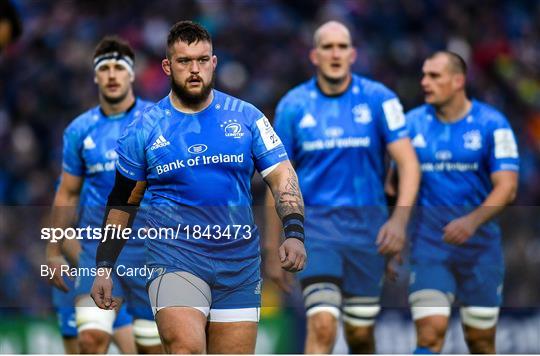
[[95, 79], [463, 81], [459, 81], [354, 55], [214, 61], [166, 66], [313, 57]]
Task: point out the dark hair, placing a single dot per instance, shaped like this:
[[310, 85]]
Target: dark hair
[[457, 63], [188, 32], [10, 14], [114, 44]]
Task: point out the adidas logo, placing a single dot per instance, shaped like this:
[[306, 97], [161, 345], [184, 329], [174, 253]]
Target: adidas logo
[[419, 141], [307, 121], [160, 142], [88, 143]]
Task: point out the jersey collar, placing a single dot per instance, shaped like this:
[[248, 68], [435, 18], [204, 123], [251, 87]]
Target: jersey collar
[[316, 84], [470, 113], [119, 115]]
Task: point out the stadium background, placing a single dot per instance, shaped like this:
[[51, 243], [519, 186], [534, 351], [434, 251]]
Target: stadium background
[[262, 47]]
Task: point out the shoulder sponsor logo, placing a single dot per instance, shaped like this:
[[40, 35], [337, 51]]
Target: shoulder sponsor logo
[[160, 142], [197, 148], [362, 114], [472, 140], [393, 112], [88, 143], [232, 129], [307, 121], [270, 138], [505, 144], [419, 141]]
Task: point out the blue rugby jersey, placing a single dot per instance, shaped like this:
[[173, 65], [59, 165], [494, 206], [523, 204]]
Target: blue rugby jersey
[[338, 145], [198, 167], [457, 160]]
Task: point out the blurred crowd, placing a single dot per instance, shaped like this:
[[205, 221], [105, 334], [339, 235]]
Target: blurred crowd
[[262, 49]]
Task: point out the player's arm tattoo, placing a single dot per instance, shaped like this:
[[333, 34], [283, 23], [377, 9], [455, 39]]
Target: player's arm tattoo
[[287, 194]]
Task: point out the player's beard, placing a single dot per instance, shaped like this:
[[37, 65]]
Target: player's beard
[[189, 98]]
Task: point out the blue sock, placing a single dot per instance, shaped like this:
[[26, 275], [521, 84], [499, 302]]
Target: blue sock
[[424, 351]]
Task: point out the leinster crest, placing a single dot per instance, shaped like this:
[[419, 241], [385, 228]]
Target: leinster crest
[[472, 140], [362, 114]]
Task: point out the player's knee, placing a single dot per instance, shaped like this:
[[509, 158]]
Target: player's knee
[[480, 341], [93, 341], [360, 339], [177, 342], [173, 343], [430, 335], [360, 334], [480, 345], [479, 328], [146, 335], [430, 310], [322, 301], [94, 325], [322, 325], [359, 314]]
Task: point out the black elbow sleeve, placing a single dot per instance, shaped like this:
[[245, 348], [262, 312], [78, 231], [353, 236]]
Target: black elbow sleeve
[[110, 247]]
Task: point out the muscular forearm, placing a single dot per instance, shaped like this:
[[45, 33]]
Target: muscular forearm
[[289, 204], [501, 195], [272, 228], [63, 216], [409, 180], [287, 195]]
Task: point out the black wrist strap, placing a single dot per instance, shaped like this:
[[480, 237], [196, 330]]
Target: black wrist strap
[[293, 226]]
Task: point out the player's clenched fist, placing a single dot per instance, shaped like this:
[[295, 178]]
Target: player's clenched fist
[[292, 255], [391, 237], [459, 231], [102, 291]]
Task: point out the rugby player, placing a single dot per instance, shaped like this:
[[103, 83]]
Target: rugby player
[[337, 128], [87, 177], [196, 151], [469, 161]]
